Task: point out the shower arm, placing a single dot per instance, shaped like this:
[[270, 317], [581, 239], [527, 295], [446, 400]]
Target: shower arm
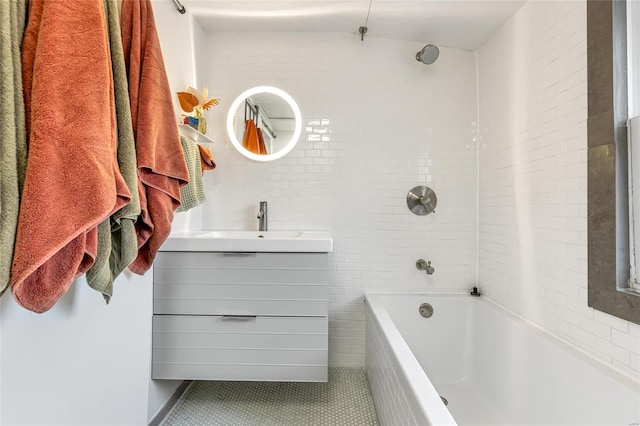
[[179, 6]]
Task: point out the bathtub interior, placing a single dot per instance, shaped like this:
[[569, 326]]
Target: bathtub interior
[[401, 390], [494, 368], [443, 345], [542, 380], [444, 356]]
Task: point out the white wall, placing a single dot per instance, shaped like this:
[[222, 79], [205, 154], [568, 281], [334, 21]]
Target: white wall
[[81, 363], [533, 179], [384, 123]]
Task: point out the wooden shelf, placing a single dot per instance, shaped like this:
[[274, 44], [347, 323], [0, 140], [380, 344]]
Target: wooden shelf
[[194, 134]]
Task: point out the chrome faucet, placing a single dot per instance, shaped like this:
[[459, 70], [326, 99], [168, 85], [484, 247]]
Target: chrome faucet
[[262, 216], [423, 265]]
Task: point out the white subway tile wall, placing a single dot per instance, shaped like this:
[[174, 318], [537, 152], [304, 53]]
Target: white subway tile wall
[[376, 124], [533, 179]]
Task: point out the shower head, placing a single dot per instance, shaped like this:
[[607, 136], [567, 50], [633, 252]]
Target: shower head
[[428, 54]]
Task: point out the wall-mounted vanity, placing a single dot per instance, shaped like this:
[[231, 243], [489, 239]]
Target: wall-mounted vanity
[[242, 305]]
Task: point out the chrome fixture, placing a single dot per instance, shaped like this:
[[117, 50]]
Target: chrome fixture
[[423, 265], [428, 54], [262, 216], [422, 200], [179, 6], [426, 310]]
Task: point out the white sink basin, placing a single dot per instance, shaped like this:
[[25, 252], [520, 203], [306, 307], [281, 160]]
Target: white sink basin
[[253, 234], [250, 241]]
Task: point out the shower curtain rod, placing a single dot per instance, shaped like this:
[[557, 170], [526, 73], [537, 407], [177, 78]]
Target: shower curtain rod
[[179, 6]]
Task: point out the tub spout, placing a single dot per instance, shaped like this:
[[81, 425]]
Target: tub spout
[[423, 265]]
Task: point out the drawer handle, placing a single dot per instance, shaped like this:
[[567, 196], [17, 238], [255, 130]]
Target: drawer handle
[[237, 254], [238, 317]]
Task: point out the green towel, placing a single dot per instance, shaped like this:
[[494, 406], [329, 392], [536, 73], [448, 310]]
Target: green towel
[[13, 139], [117, 240], [192, 194]]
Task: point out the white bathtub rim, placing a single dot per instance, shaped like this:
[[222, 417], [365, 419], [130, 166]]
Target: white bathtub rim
[[428, 397], [621, 376]]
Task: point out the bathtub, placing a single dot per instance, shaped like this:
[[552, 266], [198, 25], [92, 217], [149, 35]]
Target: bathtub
[[491, 366]]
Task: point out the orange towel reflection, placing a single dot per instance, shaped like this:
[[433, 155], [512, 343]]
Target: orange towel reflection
[[253, 140], [261, 145]]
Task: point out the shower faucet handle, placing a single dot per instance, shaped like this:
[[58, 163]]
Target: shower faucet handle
[[427, 202]]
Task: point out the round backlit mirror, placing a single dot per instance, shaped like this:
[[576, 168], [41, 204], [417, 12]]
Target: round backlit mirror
[[264, 123]]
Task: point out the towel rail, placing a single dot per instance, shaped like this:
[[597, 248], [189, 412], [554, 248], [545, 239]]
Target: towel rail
[[255, 113], [179, 6]]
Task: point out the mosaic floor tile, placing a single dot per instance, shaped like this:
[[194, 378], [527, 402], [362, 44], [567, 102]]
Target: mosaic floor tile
[[344, 400]]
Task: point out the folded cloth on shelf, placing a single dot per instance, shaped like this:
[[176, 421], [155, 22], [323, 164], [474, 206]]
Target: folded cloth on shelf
[[161, 166], [13, 140], [192, 194], [207, 161], [73, 182], [117, 239]]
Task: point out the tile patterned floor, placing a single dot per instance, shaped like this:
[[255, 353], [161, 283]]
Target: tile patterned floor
[[345, 400]]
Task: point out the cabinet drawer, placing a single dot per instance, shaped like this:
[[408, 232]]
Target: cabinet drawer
[[232, 260], [240, 283], [220, 348], [202, 306]]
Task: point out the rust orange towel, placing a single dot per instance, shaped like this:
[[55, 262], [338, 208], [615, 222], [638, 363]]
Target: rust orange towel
[[206, 159], [251, 142], [261, 146], [72, 181], [161, 166]]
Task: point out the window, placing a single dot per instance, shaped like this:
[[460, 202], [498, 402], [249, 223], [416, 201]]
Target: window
[[609, 242], [633, 83]]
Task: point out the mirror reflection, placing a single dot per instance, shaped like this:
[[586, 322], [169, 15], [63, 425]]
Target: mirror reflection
[[264, 123]]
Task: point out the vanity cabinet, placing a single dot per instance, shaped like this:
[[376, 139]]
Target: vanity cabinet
[[240, 316]]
